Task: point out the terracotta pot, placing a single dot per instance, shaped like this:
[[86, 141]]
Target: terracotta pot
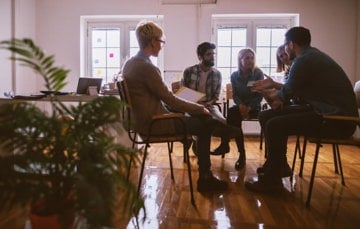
[[45, 222], [52, 221]]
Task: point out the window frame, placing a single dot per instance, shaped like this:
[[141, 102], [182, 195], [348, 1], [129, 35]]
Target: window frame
[[251, 22], [126, 23]]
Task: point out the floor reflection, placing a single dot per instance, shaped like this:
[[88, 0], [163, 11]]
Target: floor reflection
[[150, 191], [220, 214]]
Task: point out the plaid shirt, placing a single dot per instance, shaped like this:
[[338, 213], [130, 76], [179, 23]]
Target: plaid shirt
[[191, 79]]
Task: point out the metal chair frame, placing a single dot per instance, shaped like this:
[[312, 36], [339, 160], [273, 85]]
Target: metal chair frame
[[151, 138], [335, 142]]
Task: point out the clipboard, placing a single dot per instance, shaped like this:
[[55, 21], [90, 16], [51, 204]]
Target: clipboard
[[189, 94]]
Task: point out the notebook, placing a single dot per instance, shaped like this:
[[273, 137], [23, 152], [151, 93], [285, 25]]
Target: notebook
[[86, 82], [189, 94]]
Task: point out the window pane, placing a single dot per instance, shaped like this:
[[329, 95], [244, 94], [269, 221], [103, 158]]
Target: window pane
[[113, 57], [223, 57], [223, 37], [239, 37], [113, 38], [133, 40], [230, 41], [268, 39], [99, 57], [263, 36], [225, 73], [278, 36], [263, 57], [234, 57], [99, 72], [106, 52], [98, 38]]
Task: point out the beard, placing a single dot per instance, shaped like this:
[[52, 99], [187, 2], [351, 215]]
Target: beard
[[208, 63]]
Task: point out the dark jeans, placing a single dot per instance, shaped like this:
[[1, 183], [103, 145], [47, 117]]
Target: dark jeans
[[203, 126], [278, 125], [234, 118]]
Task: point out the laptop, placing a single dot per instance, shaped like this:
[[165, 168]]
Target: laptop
[[86, 82]]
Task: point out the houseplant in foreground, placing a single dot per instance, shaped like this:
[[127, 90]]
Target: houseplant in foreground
[[64, 160]]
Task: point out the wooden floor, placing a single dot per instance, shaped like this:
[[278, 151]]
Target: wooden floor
[[168, 203]]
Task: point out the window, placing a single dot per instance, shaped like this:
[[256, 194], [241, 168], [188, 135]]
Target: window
[[107, 42], [105, 52], [263, 33]]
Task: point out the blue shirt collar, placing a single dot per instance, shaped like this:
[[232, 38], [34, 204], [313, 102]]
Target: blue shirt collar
[[143, 56]]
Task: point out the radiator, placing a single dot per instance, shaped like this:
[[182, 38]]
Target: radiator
[[251, 127]]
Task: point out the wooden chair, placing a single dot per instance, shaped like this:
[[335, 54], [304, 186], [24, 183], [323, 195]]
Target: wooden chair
[[229, 96], [149, 138], [175, 86], [335, 142]]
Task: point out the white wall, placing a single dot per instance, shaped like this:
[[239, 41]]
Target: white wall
[[26, 81], [333, 23], [5, 27], [17, 19]]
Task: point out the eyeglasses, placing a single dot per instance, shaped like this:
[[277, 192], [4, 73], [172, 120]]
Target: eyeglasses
[[161, 41]]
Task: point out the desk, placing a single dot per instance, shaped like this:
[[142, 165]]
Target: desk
[[61, 98]]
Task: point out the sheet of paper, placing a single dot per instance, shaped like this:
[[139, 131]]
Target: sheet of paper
[[189, 94]]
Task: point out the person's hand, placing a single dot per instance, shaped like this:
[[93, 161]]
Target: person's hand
[[206, 111], [270, 94], [261, 85], [208, 104], [277, 104]]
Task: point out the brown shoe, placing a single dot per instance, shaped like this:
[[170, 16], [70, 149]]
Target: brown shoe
[[265, 184], [211, 184]]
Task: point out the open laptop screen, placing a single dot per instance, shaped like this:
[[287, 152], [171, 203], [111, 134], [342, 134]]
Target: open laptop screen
[[85, 82]]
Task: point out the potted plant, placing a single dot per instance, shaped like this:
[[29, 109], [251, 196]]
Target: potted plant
[[63, 161]]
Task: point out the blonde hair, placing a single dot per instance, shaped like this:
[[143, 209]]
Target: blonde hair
[[280, 65], [146, 31]]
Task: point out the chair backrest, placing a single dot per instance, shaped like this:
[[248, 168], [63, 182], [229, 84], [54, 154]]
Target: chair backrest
[[125, 97], [357, 92], [229, 93], [175, 86]]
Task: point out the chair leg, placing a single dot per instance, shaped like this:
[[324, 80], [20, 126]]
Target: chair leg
[[296, 151], [128, 170], [170, 146], [186, 152], [336, 167], [303, 157], [297, 146], [311, 184], [294, 159], [339, 164], [142, 168], [261, 138]]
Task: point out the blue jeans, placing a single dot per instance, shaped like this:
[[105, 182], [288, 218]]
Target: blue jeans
[[203, 126]]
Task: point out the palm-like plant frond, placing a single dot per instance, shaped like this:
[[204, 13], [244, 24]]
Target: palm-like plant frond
[[30, 55], [53, 158]]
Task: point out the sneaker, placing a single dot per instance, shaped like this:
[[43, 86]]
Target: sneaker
[[211, 184], [265, 184]]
